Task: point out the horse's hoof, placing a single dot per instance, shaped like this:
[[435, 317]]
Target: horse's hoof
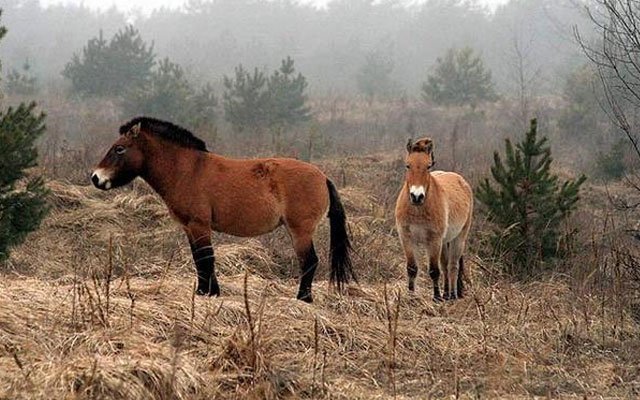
[[306, 297], [437, 299], [450, 297], [213, 291]]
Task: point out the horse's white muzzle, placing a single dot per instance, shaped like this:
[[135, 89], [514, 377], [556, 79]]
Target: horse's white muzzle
[[417, 194], [101, 179]]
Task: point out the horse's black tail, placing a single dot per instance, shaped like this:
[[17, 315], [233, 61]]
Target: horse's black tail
[[341, 267]]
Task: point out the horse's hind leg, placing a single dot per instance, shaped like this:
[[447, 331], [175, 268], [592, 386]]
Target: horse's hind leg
[[460, 278], [306, 253], [456, 248]]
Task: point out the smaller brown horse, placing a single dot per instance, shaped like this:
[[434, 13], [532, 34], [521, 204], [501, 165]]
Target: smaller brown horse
[[206, 192], [434, 211]]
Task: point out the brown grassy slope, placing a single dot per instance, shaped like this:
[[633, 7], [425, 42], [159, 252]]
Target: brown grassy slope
[[83, 318]]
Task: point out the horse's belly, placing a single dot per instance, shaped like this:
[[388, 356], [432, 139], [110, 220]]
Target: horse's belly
[[247, 221]]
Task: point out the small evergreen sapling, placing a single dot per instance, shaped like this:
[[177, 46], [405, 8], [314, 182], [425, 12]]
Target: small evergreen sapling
[[528, 202], [22, 201]]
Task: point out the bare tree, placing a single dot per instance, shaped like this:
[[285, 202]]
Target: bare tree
[[616, 56], [524, 73]]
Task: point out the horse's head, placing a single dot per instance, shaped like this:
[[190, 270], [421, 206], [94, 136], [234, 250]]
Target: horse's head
[[418, 162], [123, 162]]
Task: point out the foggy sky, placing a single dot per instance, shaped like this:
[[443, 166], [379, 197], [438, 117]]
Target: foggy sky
[[146, 6]]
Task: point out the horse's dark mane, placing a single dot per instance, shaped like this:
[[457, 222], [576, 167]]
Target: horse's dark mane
[[166, 130], [424, 145]]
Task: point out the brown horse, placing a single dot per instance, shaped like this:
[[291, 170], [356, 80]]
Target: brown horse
[[206, 192], [434, 210]]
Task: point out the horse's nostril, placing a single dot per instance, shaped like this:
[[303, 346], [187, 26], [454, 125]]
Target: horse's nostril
[[417, 198], [94, 178]]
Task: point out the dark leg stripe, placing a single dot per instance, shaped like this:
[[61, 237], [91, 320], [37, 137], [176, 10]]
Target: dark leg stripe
[[434, 273], [412, 270], [308, 265], [204, 259]]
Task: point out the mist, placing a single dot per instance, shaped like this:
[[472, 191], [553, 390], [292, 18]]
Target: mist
[[329, 44]]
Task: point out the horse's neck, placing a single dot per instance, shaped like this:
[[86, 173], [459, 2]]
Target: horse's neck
[[166, 167]]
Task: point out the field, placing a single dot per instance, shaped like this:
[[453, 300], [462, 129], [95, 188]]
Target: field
[[99, 304]]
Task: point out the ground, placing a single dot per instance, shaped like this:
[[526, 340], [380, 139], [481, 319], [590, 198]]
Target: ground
[[99, 304]]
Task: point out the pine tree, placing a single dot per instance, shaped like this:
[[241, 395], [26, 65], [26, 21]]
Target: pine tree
[[245, 99], [286, 98], [255, 101], [460, 78], [528, 203], [170, 95], [22, 196], [374, 76], [22, 83], [111, 69]]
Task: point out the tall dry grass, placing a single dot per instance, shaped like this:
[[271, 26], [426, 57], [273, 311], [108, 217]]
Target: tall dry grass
[[99, 304]]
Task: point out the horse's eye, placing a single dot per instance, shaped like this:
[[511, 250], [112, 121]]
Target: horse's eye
[[120, 150], [407, 166]]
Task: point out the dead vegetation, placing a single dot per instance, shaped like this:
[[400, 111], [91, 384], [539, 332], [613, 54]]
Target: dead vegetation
[[99, 304]]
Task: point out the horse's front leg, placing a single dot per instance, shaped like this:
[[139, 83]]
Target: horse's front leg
[[199, 235], [407, 246], [435, 250]]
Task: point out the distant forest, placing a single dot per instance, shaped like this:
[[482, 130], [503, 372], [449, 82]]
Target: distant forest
[[533, 38]]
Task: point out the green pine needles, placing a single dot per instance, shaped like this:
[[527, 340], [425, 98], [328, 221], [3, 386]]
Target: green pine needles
[[253, 100], [22, 197], [528, 203]]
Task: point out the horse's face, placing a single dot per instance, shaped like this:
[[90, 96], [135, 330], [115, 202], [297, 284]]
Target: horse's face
[[418, 162], [122, 163]]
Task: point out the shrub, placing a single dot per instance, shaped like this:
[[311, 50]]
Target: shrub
[[21, 82], [22, 202], [528, 203], [611, 164]]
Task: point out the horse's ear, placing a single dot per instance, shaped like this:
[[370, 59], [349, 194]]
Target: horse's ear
[[409, 145], [428, 146], [135, 130]]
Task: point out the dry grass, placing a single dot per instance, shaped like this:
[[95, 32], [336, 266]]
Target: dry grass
[[99, 304]]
